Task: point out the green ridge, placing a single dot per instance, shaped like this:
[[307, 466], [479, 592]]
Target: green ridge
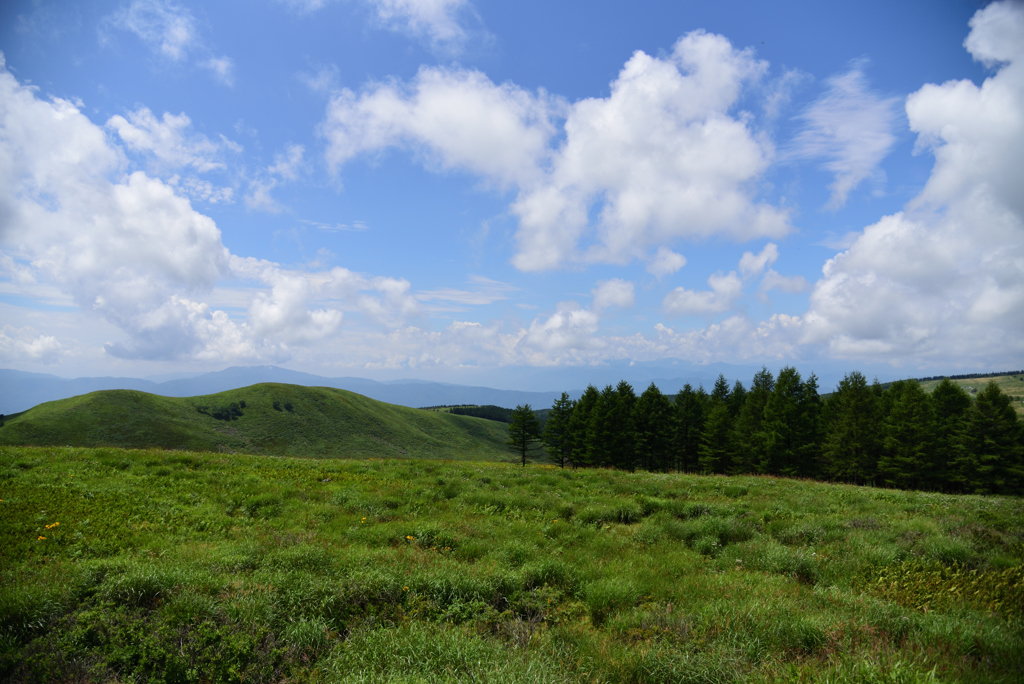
[[323, 422]]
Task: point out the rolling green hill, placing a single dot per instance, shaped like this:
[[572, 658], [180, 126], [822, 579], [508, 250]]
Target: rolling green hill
[[322, 422], [1012, 385]]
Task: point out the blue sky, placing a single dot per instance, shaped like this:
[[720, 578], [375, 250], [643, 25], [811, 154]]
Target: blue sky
[[449, 189]]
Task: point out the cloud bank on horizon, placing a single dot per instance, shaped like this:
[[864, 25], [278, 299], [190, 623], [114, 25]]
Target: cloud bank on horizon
[[423, 214]]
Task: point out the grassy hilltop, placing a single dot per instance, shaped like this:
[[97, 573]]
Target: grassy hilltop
[[1011, 385], [308, 421], [165, 566]]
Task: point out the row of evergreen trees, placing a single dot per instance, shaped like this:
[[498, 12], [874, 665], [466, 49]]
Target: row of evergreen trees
[[899, 436]]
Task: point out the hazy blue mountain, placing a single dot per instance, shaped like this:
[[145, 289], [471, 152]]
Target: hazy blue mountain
[[20, 391], [539, 387]]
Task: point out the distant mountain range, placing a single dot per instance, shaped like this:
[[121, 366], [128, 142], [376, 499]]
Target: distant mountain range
[[539, 387], [20, 391]]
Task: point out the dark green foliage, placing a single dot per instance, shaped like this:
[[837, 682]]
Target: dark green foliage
[[579, 426], [951, 405], [232, 411], [557, 431], [690, 411], [288, 406], [488, 412], [737, 399], [523, 431], [601, 437], [849, 449], [277, 406], [896, 436], [715, 444], [748, 437], [790, 427], [652, 424], [720, 392], [993, 457], [623, 447], [908, 433]]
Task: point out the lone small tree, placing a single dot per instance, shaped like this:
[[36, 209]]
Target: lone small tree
[[523, 431]]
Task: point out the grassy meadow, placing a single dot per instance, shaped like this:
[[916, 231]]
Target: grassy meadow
[[1011, 385], [149, 565], [306, 421]]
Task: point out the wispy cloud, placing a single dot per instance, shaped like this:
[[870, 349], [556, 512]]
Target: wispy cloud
[[222, 68], [440, 23], [850, 126], [354, 227], [484, 291], [169, 31]]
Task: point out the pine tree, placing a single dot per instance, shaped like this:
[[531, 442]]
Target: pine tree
[[713, 454], [850, 425], [748, 436], [579, 426], [737, 398], [907, 436], [720, 392], [688, 425], [523, 431], [557, 435], [781, 424], [623, 432], [601, 429], [652, 422], [951, 404], [808, 450], [993, 462]]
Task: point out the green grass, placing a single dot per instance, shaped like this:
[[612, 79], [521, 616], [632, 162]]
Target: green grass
[[323, 422], [189, 567], [1011, 385]]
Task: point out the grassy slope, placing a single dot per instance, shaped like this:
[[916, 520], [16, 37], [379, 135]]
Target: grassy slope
[[1012, 385], [171, 566], [324, 422]]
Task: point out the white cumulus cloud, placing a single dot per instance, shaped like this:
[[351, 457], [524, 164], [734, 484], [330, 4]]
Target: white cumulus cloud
[[725, 290], [665, 262], [569, 327], [615, 292], [27, 344], [662, 158], [751, 265], [131, 250], [944, 279], [452, 118], [169, 140]]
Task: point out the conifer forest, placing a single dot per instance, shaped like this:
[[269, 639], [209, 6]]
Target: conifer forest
[[898, 436]]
